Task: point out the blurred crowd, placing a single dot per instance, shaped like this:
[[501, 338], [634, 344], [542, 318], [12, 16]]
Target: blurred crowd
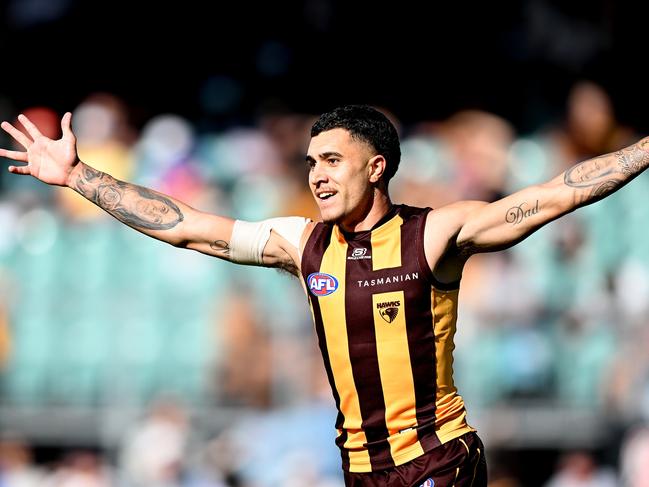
[[94, 316]]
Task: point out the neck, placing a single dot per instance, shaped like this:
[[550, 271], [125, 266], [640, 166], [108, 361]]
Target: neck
[[370, 214]]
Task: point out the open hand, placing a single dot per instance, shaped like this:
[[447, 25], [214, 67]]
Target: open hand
[[50, 161]]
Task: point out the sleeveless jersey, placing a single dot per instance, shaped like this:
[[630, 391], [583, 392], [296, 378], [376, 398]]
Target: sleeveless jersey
[[385, 328]]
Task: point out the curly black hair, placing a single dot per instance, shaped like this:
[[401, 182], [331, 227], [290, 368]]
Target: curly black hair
[[369, 125]]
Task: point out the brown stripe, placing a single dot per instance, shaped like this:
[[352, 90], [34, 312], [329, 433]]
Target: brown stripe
[[311, 262], [332, 306], [419, 322], [314, 249], [322, 342], [364, 359]]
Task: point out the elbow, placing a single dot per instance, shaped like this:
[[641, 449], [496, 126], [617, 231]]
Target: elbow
[[181, 244]]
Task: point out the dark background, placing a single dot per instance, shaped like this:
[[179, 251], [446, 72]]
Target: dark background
[[422, 61]]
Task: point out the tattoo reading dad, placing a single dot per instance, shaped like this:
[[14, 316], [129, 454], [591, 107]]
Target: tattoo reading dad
[[517, 214]]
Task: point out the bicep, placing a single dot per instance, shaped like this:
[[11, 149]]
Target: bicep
[[488, 227]]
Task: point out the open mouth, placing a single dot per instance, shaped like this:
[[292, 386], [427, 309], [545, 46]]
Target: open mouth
[[326, 195]]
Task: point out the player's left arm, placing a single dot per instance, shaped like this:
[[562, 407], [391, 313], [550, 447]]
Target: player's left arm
[[494, 226]]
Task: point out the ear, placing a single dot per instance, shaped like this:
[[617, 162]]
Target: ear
[[376, 168]]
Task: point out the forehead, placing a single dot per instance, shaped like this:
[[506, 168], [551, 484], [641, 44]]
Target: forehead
[[336, 140]]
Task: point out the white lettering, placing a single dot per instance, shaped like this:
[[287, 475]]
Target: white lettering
[[389, 280]]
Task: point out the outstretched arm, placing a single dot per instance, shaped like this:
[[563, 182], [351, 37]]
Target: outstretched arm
[[485, 227], [56, 162]]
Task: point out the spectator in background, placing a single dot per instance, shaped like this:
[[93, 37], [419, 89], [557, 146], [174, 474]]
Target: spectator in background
[[578, 469], [634, 458], [16, 468], [152, 455], [81, 469]]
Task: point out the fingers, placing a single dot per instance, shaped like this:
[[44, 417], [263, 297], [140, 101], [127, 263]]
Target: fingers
[[66, 124], [19, 170], [18, 136], [32, 130], [15, 155]]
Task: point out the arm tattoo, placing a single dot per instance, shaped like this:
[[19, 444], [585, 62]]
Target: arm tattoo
[[588, 173], [134, 205], [220, 246], [634, 159], [596, 178], [516, 214]]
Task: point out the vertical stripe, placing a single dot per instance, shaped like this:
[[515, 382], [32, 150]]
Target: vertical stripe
[[322, 343], [312, 260], [386, 245], [364, 359], [419, 322], [395, 371], [332, 308], [444, 312], [449, 411]]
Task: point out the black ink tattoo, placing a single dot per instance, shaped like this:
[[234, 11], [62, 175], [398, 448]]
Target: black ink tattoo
[[108, 197], [605, 188], [599, 175], [220, 246], [585, 174], [134, 205], [516, 214], [633, 159]]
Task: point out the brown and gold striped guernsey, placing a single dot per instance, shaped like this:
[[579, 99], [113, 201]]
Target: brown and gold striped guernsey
[[385, 329]]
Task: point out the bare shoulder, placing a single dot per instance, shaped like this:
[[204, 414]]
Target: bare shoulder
[[446, 221], [440, 239]]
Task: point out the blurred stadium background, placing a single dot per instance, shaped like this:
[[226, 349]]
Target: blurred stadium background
[[124, 362]]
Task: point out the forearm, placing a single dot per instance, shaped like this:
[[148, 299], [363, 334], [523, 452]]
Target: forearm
[[143, 209], [594, 179]]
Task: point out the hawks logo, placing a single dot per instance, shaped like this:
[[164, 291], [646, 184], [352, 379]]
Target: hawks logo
[[321, 284], [388, 310]]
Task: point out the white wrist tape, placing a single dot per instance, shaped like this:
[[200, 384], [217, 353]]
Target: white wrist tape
[[249, 238]]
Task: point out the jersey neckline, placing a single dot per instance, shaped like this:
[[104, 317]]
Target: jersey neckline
[[392, 212]]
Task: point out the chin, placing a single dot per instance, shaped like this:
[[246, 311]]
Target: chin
[[329, 217]]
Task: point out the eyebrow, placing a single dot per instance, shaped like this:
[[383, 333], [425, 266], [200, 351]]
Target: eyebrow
[[324, 155]]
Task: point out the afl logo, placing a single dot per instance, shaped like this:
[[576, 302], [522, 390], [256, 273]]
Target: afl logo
[[321, 284], [428, 483]]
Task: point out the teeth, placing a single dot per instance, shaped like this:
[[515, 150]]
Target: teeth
[[325, 195]]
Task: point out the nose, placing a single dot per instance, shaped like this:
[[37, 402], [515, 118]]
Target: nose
[[317, 174]]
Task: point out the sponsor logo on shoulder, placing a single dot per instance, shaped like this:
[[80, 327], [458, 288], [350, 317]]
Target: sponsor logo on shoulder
[[358, 254], [388, 310], [428, 483], [321, 284]]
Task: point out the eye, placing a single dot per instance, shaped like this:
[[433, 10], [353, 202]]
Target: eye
[[332, 160]]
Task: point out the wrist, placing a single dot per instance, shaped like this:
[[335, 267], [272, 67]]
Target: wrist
[[74, 174]]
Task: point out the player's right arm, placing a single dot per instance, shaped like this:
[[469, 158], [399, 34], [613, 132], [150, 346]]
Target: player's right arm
[[157, 215]]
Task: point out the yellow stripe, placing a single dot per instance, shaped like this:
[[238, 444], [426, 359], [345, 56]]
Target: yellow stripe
[[396, 373], [332, 308], [386, 245], [450, 413], [444, 316]]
